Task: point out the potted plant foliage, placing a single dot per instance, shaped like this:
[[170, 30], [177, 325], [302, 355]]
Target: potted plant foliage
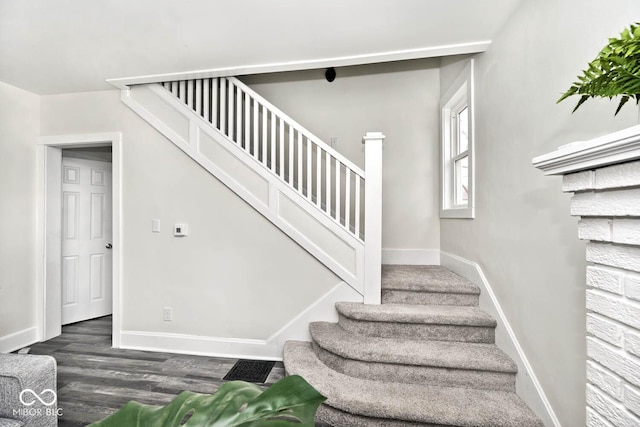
[[614, 72], [290, 401]]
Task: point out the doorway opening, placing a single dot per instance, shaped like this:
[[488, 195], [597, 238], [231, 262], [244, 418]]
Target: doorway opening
[[86, 233], [65, 163]]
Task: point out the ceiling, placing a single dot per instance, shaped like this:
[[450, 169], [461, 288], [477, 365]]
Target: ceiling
[[60, 46]]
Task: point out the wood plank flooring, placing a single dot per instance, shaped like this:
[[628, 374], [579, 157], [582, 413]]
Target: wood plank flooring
[[94, 380]]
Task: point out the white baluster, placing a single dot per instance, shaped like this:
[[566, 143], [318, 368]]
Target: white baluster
[[238, 116], [274, 122], [328, 184], [300, 176], [199, 97], [319, 176], [291, 149], [206, 97], [174, 88], [247, 123], [256, 129], [239, 119], [265, 128], [215, 102], [231, 110], [190, 93], [373, 217], [338, 190], [223, 105], [183, 91], [356, 210], [347, 199], [309, 170], [281, 150]]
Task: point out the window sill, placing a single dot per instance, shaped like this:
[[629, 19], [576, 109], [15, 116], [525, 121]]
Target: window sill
[[462, 213]]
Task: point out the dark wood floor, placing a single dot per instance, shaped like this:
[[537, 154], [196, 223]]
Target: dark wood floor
[[94, 379]]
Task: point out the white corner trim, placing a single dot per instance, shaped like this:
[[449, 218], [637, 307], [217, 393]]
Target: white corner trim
[[612, 148], [308, 64], [18, 340], [528, 386], [411, 256], [323, 309]]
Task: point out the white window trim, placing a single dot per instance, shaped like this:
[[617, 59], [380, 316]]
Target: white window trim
[[460, 90]]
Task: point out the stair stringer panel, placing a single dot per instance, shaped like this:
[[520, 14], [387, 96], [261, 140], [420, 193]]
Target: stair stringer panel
[[267, 193]]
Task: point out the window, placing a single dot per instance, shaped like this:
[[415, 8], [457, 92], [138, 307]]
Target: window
[[457, 179]]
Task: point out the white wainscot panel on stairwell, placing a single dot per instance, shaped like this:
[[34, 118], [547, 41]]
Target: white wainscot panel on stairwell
[[229, 164], [310, 228], [178, 124]]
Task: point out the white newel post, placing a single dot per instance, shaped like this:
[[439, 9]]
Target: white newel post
[[604, 175], [373, 217]]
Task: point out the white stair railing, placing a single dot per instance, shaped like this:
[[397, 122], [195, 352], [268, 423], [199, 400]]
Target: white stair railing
[[339, 197], [310, 166]]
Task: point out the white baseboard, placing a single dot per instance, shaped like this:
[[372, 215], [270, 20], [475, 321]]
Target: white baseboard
[[197, 345], [297, 328], [411, 256], [18, 340], [527, 385]]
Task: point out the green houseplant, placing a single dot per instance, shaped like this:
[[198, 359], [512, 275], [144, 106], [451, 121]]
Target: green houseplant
[[614, 72], [290, 401]]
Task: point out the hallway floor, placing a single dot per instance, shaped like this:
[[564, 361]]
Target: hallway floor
[[94, 379]]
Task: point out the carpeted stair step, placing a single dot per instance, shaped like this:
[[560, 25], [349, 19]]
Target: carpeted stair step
[[429, 322], [426, 284], [445, 363], [359, 402]]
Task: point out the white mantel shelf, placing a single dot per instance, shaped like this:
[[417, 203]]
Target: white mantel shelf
[[617, 147]]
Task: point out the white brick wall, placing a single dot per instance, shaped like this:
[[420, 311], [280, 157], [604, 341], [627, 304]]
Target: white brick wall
[[622, 256], [608, 201]]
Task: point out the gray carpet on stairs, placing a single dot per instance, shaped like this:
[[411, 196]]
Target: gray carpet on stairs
[[425, 357], [409, 402], [406, 313], [432, 278], [443, 354]]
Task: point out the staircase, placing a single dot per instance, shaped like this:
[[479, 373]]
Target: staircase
[[426, 356]]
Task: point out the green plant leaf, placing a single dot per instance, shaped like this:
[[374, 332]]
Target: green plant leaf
[[290, 401], [614, 72]]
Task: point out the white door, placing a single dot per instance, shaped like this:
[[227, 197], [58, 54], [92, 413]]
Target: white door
[[86, 239]]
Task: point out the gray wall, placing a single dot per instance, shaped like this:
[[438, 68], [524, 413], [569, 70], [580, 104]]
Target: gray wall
[[19, 112], [399, 99], [523, 236], [235, 275]]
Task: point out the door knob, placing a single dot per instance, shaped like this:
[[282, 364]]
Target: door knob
[[108, 246]]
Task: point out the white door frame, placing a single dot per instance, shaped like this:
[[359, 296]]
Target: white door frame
[[49, 228]]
